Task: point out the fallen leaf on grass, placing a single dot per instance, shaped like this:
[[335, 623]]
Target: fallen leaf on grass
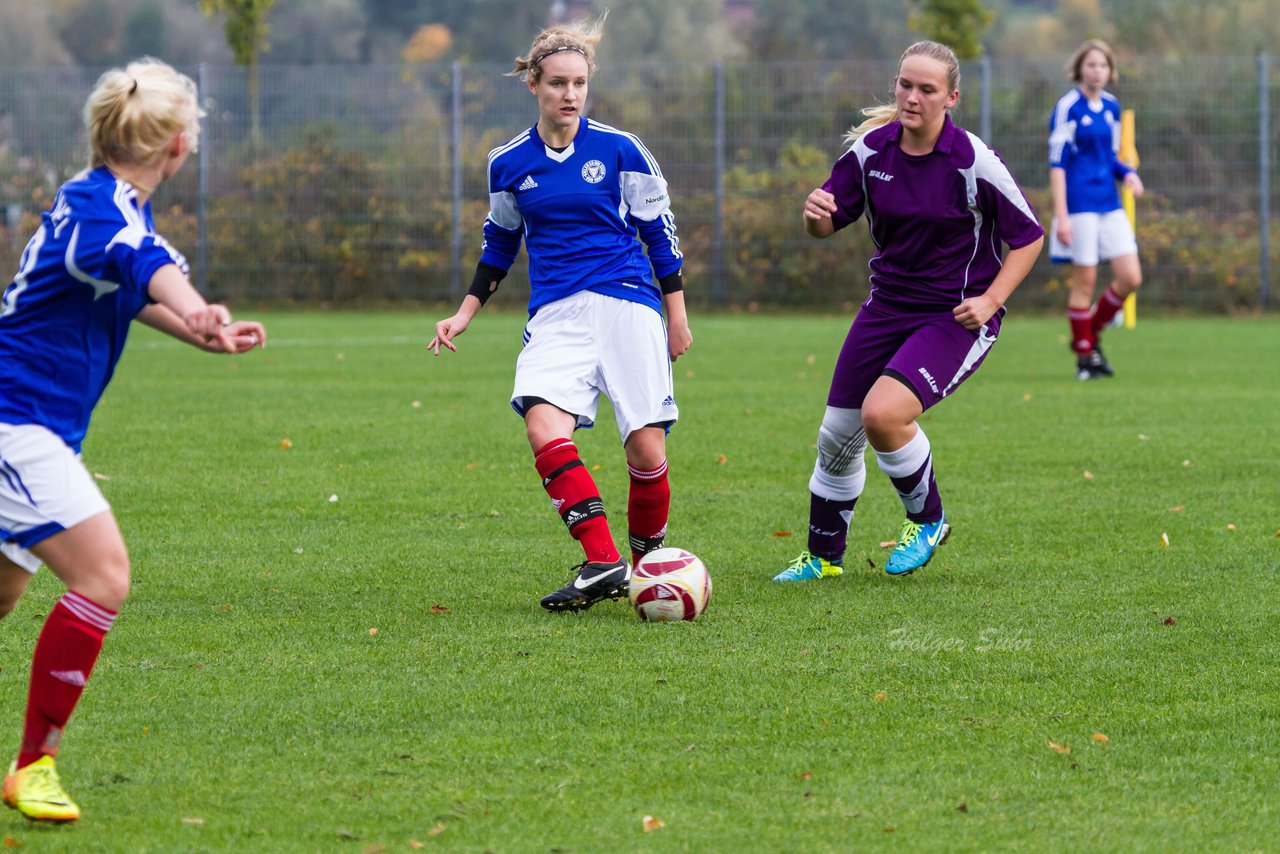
[[417, 404], [722, 459], [1186, 464], [1061, 748], [343, 833], [888, 544], [100, 476], [1026, 396], [1101, 738], [333, 499], [1088, 475], [1233, 527], [286, 444], [10, 842], [1177, 509], [650, 823], [807, 775], [962, 807], [782, 533], [596, 467], [881, 697], [376, 848], [415, 844], [373, 631], [1170, 621], [811, 359], [437, 830], [193, 820], [1164, 540], [439, 609]]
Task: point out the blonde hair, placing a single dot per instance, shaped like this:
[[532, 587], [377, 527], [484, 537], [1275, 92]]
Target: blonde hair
[[134, 113], [1077, 59], [579, 37], [885, 113]]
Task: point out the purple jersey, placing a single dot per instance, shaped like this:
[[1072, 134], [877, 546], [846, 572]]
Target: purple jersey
[[937, 219]]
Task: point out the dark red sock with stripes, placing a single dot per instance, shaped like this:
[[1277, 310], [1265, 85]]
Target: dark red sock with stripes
[[575, 496], [65, 654], [1105, 310], [648, 505], [1082, 338]]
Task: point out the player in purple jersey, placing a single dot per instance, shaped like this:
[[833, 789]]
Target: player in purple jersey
[[939, 203], [94, 265], [579, 193], [1089, 223]]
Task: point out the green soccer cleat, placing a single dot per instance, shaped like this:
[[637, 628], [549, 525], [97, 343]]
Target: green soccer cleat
[[36, 792], [808, 567], [916, 545]]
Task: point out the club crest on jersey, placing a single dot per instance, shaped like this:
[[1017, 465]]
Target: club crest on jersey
[[593, 172]]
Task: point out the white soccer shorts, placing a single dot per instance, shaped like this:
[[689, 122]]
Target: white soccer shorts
[[44, 489], [587, 344], [1096, 238]]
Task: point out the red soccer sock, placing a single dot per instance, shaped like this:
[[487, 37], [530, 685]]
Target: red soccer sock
[[1082, 337], [1105, 310], [65, 654], [575, 496], [648, 505]]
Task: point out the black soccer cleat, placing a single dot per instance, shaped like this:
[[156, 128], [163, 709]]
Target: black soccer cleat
[[1092, 365], [592, 583]]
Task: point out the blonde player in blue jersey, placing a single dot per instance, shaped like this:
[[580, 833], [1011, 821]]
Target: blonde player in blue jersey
[[95, 264], [941, 207], [579, 193], [1090, 225]]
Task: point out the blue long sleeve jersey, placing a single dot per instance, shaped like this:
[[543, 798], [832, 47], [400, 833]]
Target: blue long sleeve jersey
[[580, 211], [1084, 141], [64, 319]]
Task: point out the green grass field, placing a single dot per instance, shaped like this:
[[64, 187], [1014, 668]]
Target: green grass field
[[373, 673]]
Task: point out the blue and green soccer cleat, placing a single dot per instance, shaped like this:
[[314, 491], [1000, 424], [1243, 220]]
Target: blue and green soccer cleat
[[916, 545], [808, 567]]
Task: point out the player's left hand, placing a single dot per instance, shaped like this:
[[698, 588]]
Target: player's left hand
[[239, 337], [679, 339], [975, 311], [1134, 183]]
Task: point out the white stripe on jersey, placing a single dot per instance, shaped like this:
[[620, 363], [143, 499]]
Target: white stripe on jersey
[[100, 286], [648, 158], [1064, 130]]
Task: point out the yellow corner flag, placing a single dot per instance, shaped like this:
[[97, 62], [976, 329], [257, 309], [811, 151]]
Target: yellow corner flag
[[1129, 154]]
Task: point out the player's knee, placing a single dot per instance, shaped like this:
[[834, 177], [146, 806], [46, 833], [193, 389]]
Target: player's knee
[[841, 442], [109, 587]]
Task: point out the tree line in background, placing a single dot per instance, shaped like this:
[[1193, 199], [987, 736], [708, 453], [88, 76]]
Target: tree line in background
[[100, 33]]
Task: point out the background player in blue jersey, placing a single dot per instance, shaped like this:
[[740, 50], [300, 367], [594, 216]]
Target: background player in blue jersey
[[579, 193], [95, 264], [939, 203], [1089, 222]]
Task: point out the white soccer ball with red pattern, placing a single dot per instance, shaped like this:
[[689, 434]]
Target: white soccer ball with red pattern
[[669, 584]]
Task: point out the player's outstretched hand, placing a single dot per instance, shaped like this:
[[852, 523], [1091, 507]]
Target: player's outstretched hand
[[207, 323], [1134, 183], [446, 331], [239, 337]]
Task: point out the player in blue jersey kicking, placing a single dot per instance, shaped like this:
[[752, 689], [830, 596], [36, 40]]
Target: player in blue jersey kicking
[[94, 265], [579, 193], [1089, 223], [939, 204]]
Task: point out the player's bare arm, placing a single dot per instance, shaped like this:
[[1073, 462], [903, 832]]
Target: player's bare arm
[[679, 338], [977, 310], [452, 327]]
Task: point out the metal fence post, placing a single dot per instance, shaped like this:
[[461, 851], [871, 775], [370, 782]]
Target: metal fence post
[[455, 142], [984, 101], [717, 282], [202, 196], [1264, 179]]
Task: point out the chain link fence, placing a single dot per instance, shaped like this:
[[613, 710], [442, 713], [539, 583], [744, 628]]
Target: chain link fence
[[366, 184]]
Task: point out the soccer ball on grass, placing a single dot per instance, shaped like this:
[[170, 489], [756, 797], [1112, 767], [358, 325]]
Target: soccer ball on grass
[[669, 584]]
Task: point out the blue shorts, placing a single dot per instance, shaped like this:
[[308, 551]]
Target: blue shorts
[[927, 350]]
